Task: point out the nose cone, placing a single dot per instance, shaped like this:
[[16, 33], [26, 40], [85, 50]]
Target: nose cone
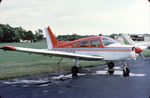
[[138, 50]]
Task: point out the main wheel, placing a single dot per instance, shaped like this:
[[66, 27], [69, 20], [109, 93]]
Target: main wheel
[[110, 68], [111, 72], [111, 65], [74, 71], [126, 71]]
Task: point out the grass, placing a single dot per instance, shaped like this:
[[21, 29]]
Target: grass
[[16, 64], [146, 53]]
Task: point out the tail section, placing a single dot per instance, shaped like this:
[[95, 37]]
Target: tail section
[[51, 39]]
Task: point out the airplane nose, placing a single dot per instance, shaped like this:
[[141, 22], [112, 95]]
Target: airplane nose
[[138, 50]]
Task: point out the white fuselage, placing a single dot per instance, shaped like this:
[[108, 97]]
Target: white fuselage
[[123, 52]]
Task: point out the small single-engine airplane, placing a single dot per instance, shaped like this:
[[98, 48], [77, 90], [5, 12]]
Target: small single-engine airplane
[[97, 48]]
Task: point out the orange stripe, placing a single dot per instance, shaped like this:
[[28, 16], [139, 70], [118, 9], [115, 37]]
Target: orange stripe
[[52, 37], [106, 50]]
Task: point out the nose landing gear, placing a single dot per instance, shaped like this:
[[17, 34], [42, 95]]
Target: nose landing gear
[[126, 70]]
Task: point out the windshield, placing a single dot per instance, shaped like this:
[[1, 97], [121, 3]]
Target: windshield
[[107, 41]]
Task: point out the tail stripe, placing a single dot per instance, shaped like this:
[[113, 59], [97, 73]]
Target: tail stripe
[[51, 39]]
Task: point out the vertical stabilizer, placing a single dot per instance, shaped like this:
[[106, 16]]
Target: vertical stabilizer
[[51, 39]]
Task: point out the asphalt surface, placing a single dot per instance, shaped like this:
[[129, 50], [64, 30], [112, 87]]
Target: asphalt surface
[[92, 83]]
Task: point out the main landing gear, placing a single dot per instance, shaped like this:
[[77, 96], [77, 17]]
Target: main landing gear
[[110, 68], [126, 70], [75, 68], [74, 71]]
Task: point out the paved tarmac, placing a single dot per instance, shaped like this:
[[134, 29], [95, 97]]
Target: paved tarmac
[[92, 83]]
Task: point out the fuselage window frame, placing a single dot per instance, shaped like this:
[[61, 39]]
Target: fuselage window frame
[[75, 45]]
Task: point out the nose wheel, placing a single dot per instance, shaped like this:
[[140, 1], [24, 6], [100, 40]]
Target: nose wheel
[[126, 71]]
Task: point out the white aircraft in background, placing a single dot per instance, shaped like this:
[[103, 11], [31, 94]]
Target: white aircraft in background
[[142, 45], [97, 48]]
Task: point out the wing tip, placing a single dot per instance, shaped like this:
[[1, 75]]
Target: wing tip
[[10, 48]]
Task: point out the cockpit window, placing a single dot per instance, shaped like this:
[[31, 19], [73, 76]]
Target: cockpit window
[[107, 41]]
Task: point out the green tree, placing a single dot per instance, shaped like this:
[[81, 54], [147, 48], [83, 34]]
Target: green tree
[[38, 36], [29, 35], [21, 32], [1, 34], [10, 34], [16, 36]]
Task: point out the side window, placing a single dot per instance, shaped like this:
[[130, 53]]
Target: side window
[[84, 44], [95, 43]]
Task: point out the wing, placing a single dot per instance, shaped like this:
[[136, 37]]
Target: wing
[[52, 53]]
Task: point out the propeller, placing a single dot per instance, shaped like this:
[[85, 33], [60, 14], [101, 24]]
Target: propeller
[[138, 49]]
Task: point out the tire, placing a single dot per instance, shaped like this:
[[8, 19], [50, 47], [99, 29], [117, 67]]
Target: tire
[[110, 68], [74, 71], [126, 72], [111, 72], [110, 65]]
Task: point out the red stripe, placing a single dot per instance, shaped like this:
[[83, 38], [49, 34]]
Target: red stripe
[[11, 48]]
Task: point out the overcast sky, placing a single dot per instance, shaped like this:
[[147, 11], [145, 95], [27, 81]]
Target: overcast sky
[[78, 16]]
